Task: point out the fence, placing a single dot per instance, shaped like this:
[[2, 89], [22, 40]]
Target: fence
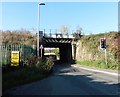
[[5, 52]]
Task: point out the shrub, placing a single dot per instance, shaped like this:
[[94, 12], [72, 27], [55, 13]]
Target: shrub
[[48, 64], [45, 65], [35, 69]]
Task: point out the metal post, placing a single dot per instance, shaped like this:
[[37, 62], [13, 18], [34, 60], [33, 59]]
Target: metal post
[[105, 51], [1, 55], [38, 30], [105, 56], [41, 48], [41, 53], [38, 27]]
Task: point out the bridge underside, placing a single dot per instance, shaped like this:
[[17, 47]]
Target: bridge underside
[[64, 46]]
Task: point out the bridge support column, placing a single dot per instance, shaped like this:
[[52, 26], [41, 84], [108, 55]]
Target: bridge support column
[[73, 52]]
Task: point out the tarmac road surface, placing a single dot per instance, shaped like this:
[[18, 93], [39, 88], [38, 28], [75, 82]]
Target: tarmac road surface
[[71, 80]]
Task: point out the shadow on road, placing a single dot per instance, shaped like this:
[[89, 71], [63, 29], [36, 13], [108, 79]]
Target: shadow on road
[[66, 80], [84, 81]]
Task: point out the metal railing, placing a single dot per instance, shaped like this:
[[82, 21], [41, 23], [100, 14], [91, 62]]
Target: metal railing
[[5, 52], [54, 33]]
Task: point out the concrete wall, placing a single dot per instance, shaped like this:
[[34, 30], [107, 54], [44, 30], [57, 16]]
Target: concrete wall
[[83, 54]]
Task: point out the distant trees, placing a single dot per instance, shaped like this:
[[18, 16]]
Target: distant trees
[[64, 29], [78, 32], [26, 37], [56, 51], [18, 37]]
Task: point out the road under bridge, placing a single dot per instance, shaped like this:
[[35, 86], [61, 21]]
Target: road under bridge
[[65, 43]]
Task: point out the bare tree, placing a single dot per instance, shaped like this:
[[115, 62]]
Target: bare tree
[[78, 30], [64, 29], [18, 37]]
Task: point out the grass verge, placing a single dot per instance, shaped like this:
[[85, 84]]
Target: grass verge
[[98, 64], [21, 76]]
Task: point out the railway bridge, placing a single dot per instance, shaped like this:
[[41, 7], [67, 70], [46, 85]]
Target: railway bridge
[[66, 43]]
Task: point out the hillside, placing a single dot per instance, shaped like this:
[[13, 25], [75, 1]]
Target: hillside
[[89, 48]]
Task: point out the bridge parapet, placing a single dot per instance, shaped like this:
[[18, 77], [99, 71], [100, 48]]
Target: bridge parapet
[[57, 35], [54, 33]]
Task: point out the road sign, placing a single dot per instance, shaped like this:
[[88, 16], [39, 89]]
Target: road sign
[[15, 58], [41, 46]]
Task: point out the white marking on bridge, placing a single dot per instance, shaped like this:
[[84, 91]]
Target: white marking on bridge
[[63, 36]]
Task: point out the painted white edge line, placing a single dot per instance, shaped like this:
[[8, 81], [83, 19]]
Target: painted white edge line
[[115, 74]]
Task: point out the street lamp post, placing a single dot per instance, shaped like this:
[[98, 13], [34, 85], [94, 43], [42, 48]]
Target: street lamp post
[[38, 27]]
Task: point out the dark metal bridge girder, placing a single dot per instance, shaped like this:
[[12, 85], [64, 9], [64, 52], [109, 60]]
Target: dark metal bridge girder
[[57, 40]]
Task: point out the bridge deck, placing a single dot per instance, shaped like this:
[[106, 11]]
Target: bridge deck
[[58, 40]]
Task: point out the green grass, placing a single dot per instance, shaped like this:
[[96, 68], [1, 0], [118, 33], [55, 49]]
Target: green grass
[[98, 64], [91, 44], [21, 76]]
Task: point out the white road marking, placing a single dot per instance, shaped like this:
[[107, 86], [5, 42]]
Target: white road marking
[[110, 73]]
